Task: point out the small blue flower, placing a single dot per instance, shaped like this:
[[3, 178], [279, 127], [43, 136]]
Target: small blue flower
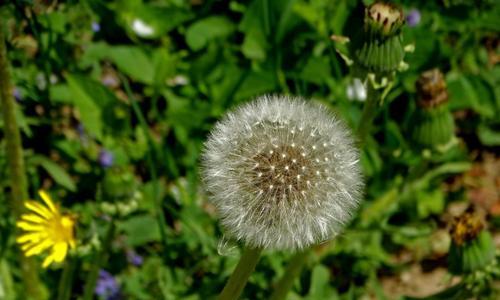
[[107, 287], [134, 258], [110, 81], [106, 158], [413, 17], [96, 27], [18, 95]]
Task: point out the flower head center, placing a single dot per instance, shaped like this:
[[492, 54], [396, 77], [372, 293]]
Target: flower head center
[[284, 171]]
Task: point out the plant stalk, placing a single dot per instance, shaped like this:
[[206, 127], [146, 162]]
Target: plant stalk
[[66, 281], [370, 110], [18, 180], [239, 278], [101, 258], [292, 271]]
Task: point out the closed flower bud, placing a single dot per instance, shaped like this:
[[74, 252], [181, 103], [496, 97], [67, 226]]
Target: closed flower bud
[[432, 123], [283, 173], [378, 48], [472, 246]]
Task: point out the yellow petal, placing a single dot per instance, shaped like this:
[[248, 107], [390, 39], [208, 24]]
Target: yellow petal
[[48, 201], [39, 209], [39, 247], [30, 226], [47, 261], [29, 245], [30, 237], [33, 218], [59, 251]]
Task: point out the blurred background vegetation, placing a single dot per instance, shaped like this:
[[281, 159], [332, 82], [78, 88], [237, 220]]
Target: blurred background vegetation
[[115, 98]]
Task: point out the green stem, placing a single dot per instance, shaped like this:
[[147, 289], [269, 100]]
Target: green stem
[[66, 281], [239, 278], [101, 258], [18, 182], [6, 283], [292, 271], [370, 110]]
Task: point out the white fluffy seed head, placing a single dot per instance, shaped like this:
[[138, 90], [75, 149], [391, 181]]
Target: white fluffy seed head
[[283, 173]]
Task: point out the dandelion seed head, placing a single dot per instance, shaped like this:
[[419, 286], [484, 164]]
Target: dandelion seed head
[[271, 182]]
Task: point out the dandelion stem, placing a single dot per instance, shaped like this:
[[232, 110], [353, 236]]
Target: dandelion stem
[[18, 182], [88, 293], [292, 271], [66, 281], [239, 278]]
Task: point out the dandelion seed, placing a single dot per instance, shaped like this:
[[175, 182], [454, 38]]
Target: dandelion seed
[[45, 227], [286, 202]]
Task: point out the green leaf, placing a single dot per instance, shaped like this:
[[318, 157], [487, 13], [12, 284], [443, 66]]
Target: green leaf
[[201, 32], [140, 230], [468, 92], [488, 136], [428, 203], [134, 62], [320, 287], [55, 171], [255, 45], [95, 102]]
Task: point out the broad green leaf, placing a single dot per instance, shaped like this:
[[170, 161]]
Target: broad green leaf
[[202, 31], [134, 62], [95, 102], [140, 230]]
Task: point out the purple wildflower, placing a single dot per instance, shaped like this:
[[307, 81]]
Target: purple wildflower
[[413, 17], [106, 158], [134, 258], [107, 287], [110, 80], [96, 27], [17, 94]]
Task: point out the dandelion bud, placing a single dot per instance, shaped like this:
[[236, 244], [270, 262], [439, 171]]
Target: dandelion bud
[[282, 173], [379, 47], [472, 247], [432, 122]]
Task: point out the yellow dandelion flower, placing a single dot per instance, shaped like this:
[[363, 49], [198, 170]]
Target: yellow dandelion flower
[[45, 227]]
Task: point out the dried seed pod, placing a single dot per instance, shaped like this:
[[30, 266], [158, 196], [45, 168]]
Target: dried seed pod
[[283, 173]]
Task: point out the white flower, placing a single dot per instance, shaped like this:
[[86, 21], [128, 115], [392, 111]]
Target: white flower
[[283, 173], [141, 28], [356, 90]]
